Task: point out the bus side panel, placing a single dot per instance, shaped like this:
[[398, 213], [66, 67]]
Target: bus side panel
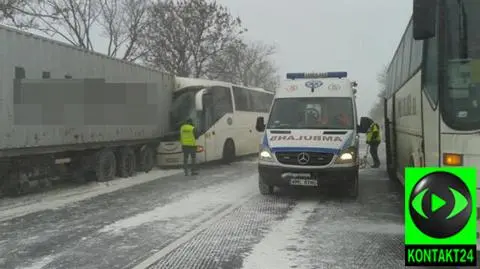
[[216, 136], [242, 125], [469, 146], [389, 117], [408, 125], [431, 120]]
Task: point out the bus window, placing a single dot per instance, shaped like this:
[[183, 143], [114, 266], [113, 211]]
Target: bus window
[[462, 97], [241, 99], [222, 102]]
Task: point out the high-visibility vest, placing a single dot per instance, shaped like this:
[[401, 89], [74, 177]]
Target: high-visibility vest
[[373, 133], [187, 136]]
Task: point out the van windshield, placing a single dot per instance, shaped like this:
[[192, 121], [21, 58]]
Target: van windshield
[[312, 113]]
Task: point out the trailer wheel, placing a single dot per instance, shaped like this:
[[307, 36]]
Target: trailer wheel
[[16, 184], [146, 160], [126, 162], [105, 166]]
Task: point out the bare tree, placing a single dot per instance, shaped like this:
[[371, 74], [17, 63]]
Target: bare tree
[[122, 23], [183, 36], [246, 64], [70, 19], [7, 7], [376, 112]]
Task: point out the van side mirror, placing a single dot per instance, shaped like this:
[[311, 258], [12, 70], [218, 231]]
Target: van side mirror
[[365, 123], [424, 19], [260, 125]]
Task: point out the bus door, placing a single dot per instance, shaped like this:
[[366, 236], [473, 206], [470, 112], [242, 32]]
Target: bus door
[[219, 109], [209, 130]]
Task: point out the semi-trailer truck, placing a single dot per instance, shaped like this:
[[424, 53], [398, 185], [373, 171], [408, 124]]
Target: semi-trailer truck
[[70, 113]]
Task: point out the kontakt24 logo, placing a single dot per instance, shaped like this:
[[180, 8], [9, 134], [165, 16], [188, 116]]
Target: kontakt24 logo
[[440, 216]]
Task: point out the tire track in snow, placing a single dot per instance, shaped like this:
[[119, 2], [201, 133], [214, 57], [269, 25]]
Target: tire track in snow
[[134, 238], [199, 203], [224, 242], [273, 252], [45, 201]]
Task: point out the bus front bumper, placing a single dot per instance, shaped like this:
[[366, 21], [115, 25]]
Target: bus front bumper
[[169, 159]]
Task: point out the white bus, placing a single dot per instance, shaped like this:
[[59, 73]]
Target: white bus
[[432, 106], [224, 115]]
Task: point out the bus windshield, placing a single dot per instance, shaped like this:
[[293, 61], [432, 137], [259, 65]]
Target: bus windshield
[[183, 108], [461, 106], [312, 113]]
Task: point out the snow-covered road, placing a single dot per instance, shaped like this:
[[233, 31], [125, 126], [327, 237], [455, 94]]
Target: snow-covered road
[[217, 220]]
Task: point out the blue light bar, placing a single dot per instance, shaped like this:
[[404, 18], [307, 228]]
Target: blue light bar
[[317, 75]]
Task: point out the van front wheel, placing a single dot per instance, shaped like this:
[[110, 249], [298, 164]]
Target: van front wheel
[[353, 186], [264, 188]]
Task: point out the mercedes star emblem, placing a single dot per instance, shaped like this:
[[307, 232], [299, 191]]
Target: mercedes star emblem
[[303, 158]]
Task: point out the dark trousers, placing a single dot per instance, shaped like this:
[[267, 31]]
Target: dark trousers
[[189, 151], [374, 153]]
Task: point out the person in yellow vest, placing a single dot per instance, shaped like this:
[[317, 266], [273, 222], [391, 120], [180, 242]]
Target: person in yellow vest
[[373, 140], [189, 146]]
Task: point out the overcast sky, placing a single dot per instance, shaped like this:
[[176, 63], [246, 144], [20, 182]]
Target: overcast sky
[[357, 36]]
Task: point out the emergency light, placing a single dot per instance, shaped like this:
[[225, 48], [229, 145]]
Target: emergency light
[[317, 75]]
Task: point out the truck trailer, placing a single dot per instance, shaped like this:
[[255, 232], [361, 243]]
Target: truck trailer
[[70, 113]]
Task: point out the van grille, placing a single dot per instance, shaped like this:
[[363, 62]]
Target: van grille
[[316, 158]]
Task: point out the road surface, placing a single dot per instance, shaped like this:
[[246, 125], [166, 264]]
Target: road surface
[[215, 220]]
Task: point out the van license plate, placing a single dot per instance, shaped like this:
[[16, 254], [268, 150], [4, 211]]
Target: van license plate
[[303, 182]]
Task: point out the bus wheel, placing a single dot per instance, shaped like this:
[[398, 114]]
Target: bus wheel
[[264, 188], [228, 151]]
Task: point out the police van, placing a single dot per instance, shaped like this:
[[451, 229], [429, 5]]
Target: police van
[[311, 134]]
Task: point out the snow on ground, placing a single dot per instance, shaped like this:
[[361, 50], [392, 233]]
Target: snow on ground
[[202, 202], [41, 263], [179, 220], [272, 252], [13, 208]]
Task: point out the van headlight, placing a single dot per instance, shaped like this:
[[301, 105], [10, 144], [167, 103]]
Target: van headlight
[[348, 155], [265, 155]]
